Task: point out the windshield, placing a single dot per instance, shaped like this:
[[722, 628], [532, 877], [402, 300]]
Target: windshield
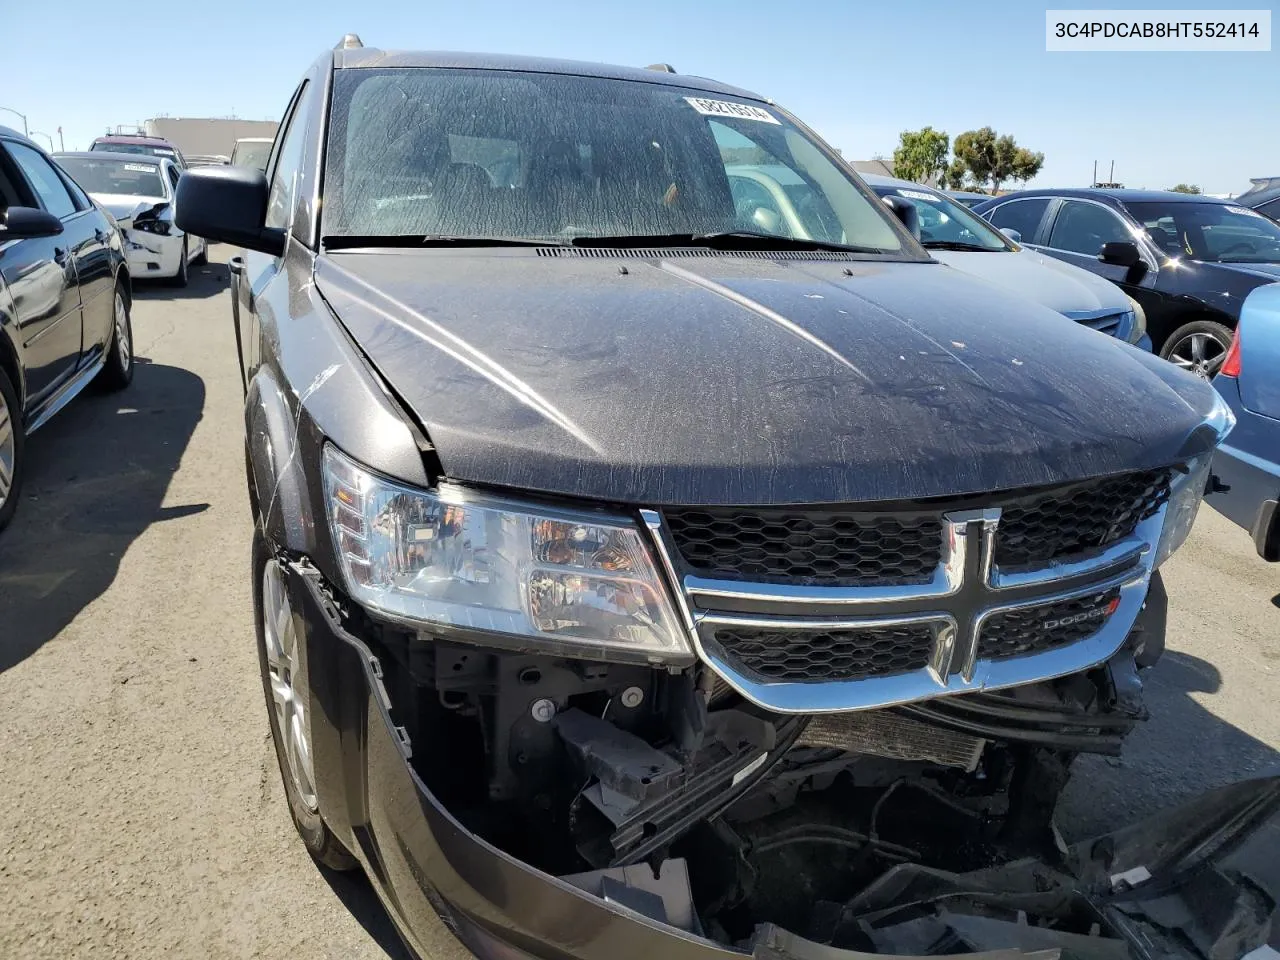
[[944, 222], [251, 154], [114, 176], [497, 154], [1214, 232]]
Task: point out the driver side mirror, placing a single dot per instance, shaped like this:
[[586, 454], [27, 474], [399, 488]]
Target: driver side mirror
[[227, 205], [28, 223], [1012, 234], [906, 212], [1124, 253]]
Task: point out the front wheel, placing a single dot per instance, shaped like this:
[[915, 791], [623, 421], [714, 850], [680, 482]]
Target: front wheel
[[1198, 347], [180, 278], [288, 705], [12, 439]]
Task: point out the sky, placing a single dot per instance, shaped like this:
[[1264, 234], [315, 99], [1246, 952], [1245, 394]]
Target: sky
[[857, 72]]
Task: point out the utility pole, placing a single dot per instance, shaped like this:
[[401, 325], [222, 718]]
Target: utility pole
[[25, 132], [62, 145], [1094, 181], [37, 133]]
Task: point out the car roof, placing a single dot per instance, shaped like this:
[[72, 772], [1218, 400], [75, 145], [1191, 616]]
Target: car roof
[[354, 58], [139, 140], [1125, 195], [109, 155], [879, 180]]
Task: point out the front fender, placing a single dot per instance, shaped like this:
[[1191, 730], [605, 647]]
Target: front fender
[[276, 475]]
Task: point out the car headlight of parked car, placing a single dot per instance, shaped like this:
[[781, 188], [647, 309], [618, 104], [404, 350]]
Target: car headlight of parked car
[[455, 558], [1139, 326]]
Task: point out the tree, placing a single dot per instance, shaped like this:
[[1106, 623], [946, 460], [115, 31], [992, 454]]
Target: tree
[[1026, 164], [953, 177], [921, 155], [1186, 188], [996, 158]]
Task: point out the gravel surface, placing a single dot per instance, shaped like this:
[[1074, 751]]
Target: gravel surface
[[141, 812]]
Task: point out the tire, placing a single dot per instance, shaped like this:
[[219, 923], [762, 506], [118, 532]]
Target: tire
[[202, 257], [1198, 347], [308, 820], [180, 279], [118, 371], [12, 447]]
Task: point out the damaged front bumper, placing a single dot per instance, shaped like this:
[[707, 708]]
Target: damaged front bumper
[[1193, 882]]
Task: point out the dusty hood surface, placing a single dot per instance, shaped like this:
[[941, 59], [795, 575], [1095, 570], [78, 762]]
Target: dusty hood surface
[[740, 380], [1059, 286], [124, 207]]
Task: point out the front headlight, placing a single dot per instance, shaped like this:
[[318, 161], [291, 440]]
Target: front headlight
[[1185, 495], [1139, 327], [451, 557]]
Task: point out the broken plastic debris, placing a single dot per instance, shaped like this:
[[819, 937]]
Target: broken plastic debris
[[1131, 878], [749, 769]]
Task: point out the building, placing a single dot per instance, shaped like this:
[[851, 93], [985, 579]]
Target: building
[[207, 136]]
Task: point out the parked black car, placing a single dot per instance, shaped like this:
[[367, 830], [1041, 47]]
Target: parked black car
[[1189, 260], [64, 301], [616, 561]]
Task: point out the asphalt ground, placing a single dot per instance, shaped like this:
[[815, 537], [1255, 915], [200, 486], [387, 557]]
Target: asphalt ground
[[141, 812]]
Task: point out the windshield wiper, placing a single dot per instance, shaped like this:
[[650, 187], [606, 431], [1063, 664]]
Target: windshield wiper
[[959, 245], [723, 240], [419, 240]]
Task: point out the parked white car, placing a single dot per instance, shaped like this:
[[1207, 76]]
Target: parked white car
[[138, 191]]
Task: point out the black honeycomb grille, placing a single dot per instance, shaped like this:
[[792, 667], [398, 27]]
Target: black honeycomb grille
[[1078, 519], [1016, 633], [819, 656], [817, 548]]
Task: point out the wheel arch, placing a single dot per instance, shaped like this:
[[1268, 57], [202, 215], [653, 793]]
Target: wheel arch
[[1179, 314]]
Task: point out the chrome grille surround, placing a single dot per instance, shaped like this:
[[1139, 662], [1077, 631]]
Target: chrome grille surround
[[966, 589]]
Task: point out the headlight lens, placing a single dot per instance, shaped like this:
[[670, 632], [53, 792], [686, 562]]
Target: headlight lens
[[448, 557], [1184, 503], [1139, 320]]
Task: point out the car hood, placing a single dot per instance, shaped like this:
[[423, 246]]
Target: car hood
[[124, 207], [1268, 272], [728, 379], [1059, 286]]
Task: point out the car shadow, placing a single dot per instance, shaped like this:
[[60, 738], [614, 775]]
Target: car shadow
[[96, 478], [1183, 750], [352, 887], [204, 281]]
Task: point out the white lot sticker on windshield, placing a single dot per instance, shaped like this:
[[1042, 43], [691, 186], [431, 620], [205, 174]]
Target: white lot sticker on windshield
[[140, 167], [917, 195], [724, 108], [1245, 210]]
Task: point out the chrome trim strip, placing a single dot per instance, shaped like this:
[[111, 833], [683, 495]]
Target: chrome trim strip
[[1125, 553], [658, 533], [68, 393]]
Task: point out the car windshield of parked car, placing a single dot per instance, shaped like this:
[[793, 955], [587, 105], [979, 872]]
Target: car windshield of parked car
[[121, 177], [1213, 232], [143, 149], [253, 154], [944, 223], [530, 156]]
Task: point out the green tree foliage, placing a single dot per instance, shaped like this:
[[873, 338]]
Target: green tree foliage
[[953, 179], [921, 155], [1025, 164], [1186, 188], [995, 158]]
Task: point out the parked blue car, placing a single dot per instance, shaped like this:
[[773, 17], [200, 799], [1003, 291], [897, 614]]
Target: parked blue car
[[1246, 469]]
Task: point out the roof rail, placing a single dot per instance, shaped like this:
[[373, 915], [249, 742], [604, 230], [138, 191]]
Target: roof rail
[[349, 41], [661, 67]]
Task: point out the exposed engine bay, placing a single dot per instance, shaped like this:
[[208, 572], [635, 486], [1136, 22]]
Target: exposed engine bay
[[924, 829]]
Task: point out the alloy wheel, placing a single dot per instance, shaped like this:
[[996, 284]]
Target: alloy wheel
[[124, 344], [1199, 353], [288, 700], [8, 449]]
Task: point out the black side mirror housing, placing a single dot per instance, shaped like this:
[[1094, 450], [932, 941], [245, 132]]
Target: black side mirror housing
[[1120, 253], [227, 205], [906, 212], [27, 223], [1124, 253]]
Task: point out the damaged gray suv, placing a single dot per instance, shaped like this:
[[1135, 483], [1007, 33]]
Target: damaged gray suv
[[639, 576]]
